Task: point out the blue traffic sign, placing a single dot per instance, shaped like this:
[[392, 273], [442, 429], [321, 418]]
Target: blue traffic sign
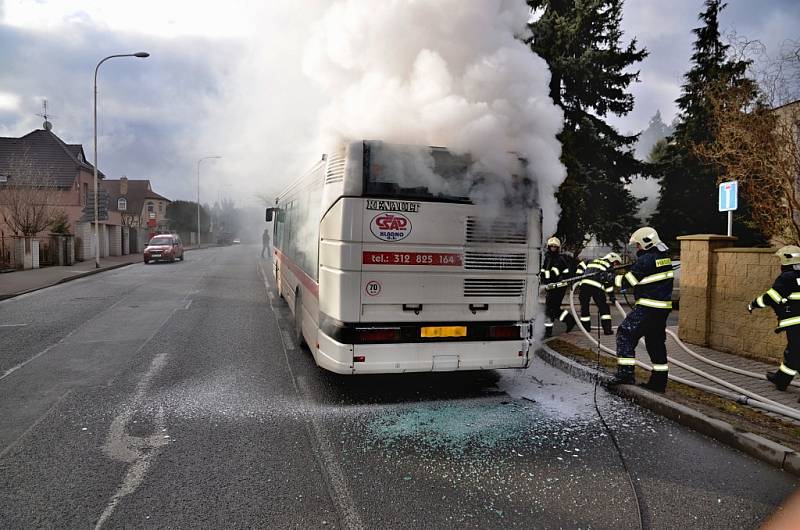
[[728, 196]]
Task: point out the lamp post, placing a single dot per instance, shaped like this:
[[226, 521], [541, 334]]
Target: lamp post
[[198, 194], [141, 55]]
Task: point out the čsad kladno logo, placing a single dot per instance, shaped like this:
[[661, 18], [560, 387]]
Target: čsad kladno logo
[[390, 226]]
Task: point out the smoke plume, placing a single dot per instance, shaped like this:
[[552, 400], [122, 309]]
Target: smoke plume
[[447, 73]]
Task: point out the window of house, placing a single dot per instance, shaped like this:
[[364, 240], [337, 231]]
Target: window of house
[[122, 204], [160, 206], [150, 207], [3, 178]]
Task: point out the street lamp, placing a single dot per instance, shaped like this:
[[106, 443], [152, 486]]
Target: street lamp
[[198, 194], [141, 55]]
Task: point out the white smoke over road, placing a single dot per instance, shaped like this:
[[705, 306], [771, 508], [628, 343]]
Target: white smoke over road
[[444, 72]]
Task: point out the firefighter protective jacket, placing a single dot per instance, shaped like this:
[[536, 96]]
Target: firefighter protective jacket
[[651, 278], [783, 297], [556, 266], [601, 275]]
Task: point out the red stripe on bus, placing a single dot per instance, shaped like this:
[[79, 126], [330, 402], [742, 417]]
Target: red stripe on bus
[[304, 278], [436, 259]]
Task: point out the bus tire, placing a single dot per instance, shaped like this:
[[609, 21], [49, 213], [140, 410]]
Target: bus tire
[[298, 319]]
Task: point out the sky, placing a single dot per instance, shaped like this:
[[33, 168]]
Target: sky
[[227, 79]]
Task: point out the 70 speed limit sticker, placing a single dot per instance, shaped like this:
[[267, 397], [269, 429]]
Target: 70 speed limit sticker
[[373, 288]]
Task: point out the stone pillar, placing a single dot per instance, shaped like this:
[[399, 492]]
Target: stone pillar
[[697, 255], [126, 241], [115, 240]]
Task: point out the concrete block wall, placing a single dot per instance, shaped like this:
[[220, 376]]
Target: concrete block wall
[[717, 281], [738, 276]]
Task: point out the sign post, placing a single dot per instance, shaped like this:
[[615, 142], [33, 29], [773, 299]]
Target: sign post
[[729, 201]]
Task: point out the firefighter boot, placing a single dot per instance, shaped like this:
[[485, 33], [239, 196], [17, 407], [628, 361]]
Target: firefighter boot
[[607, 327], [586, 322], [548, 331], [780, 379], [657, 382], [624, 376], [569, 320]]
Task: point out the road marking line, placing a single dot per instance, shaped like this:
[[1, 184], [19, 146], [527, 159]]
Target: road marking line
[[13, 444], [12, 325], [64, 338], [342, 497], [138, 451]]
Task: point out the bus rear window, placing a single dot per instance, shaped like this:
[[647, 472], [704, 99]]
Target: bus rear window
[[418, 173]]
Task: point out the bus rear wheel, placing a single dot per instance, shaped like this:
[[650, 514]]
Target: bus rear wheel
[[298, 320]]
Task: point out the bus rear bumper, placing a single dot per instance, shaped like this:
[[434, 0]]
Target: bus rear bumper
[[420, 357]]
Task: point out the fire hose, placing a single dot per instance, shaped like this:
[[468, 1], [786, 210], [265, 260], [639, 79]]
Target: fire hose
[[736, 393]]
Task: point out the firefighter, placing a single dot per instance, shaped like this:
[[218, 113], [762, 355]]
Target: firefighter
[[556, 266], [651, 278], [596, 287], [784, 298]]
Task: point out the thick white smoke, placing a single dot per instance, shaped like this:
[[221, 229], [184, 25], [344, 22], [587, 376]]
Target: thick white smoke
[[451, 73]]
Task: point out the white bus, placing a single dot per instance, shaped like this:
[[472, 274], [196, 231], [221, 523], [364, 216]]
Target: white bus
[[389, 267]]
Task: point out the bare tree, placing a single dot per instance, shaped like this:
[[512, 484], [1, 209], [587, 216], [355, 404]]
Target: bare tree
[[29, 197], [758, 146]]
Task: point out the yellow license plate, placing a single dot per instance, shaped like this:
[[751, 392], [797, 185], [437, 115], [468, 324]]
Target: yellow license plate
[[443, 331]]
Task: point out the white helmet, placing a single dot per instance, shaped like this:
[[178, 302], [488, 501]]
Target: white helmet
[[647, 238], [790, 255], [611, 257], [554, 242]]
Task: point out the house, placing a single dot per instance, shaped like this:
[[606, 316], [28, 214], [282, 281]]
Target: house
[[63, 177], [141, 209]]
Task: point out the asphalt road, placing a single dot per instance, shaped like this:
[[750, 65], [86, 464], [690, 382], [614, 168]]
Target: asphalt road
[[173, 396]]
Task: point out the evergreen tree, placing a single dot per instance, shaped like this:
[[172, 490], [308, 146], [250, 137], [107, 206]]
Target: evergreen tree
[[656, 131], [581, 42], [687, 204]]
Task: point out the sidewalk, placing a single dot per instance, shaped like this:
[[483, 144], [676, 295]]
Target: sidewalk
[[769, 437], [761, 387], [20, 282]]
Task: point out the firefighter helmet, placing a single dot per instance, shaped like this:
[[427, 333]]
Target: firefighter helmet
[[646, 237], [554, 242], [612, 257], [790, 255]]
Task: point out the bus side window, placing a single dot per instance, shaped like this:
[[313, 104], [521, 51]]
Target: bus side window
[[278, 227], [314, 205]]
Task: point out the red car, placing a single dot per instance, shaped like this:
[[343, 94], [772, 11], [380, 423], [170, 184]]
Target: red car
[[164, 248]]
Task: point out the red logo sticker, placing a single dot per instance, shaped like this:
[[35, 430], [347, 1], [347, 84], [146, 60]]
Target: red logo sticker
[[390, 226]]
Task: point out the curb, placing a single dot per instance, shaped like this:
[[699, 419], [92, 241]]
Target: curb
[[754, 445], [67, 279]]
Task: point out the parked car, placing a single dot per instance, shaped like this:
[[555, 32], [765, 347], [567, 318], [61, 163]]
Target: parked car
[[237, 241], [165, 247]]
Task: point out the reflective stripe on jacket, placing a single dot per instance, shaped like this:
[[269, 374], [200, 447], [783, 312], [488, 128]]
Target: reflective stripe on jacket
[[652, 279], [783, 297]]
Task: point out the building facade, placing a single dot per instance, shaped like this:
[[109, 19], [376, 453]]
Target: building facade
[[59, 174]]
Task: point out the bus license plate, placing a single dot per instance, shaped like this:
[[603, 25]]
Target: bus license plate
[[435, 332]]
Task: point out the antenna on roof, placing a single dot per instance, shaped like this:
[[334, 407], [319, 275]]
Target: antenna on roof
[[47, 126]]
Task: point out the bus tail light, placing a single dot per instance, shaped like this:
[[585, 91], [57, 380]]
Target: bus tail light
[[359, 358], [377, 334], [504, 332]]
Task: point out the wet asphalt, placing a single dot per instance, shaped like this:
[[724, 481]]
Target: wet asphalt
[[173, 395]]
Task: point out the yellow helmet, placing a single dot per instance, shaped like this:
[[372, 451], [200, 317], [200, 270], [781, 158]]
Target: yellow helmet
[[611, 257], [554, 242], [790, 255], [646, 237]]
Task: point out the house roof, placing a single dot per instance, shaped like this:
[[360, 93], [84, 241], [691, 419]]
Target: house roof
[[56, 162], [138, 192]]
